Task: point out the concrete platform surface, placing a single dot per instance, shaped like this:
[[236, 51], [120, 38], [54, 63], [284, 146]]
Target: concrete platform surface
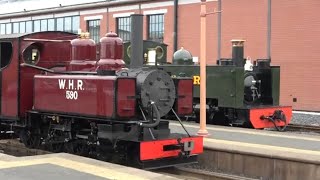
[[64, 166], [286, 145]]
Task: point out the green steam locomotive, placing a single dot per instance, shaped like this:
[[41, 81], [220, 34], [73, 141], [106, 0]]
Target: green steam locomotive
[[239, 92]]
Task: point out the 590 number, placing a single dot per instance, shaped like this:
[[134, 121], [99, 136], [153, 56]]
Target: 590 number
[[72, 95]]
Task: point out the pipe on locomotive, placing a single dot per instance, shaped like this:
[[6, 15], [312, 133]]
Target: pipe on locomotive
[[156, 123], [136, 41], [238, 52]]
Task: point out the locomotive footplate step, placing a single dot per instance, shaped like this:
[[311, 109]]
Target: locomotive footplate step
[[64, 166]]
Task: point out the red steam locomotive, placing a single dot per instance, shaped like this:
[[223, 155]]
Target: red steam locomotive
[[75, 103]]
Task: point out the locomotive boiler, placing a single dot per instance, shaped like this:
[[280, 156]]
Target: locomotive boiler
[[74, 103]]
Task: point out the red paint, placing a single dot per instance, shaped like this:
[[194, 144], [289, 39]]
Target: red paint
[[83, 55], [126, 101], [48, 59], [184, 103], [111, 53], [94, 98], [9, 90], [154, 149], [257, 122]]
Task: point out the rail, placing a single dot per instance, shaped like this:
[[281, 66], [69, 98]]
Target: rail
[[194, 174], [303, 128]]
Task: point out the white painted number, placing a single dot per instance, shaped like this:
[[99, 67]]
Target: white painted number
[[72, 95], [71, 86]]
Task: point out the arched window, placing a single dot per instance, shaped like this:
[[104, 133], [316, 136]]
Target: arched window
[[31, 54]]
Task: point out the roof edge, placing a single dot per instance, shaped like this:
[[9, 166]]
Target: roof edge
[[72, 8]]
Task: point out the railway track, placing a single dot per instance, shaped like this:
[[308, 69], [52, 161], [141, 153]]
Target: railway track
[[15, 148], [303, 128], [197, 174]]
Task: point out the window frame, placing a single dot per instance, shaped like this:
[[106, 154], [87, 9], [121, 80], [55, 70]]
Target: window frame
[[159, 25], [126, 27], [29, 25], [94, 36]]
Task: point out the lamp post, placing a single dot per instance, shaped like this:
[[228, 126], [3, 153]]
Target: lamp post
[[203, 51], [203, 55]]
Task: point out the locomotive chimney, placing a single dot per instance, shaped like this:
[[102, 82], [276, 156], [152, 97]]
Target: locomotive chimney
[[237, 52], [136, 41]]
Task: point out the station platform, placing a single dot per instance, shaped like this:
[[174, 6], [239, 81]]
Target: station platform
[[307, 143], [258, 154], [64, 166]]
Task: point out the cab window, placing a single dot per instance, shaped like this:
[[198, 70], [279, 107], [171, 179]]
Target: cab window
[[5, 53], [31, 55]]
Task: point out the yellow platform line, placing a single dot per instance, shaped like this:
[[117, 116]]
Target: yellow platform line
[[260, 146], [250, 131], [78, 166]]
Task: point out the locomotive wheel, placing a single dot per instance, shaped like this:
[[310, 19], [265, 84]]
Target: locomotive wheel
[[55, 147], [133, 157], [77, 147], [197, 120], [29, 139], [209, 118]]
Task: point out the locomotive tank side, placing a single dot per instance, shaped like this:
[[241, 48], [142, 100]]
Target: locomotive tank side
[[92, 96]]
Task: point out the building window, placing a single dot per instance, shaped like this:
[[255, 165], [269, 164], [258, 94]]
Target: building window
[[75, 24], [124, 28], [67, 24], [60, 24], [94, 29], [44, 25], [29, 27], [8, 28], [156, 27], [51, 26], [22, 27], [15, 28], [2, 29], [36, 26]]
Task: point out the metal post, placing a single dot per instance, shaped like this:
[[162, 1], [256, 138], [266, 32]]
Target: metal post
[[269, 31], [175, 26], [136, 41], [203, 108], [219, 31]]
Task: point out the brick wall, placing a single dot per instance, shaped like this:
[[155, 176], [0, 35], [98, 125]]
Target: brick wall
[[295, 38], [295, 29]]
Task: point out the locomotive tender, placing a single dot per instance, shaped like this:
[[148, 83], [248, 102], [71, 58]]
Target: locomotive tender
[[73, 102], [239, 93]]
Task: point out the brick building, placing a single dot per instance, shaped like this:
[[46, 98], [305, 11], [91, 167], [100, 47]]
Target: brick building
[[294, 31]]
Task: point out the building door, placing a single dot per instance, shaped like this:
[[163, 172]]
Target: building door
[[93, 27]]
